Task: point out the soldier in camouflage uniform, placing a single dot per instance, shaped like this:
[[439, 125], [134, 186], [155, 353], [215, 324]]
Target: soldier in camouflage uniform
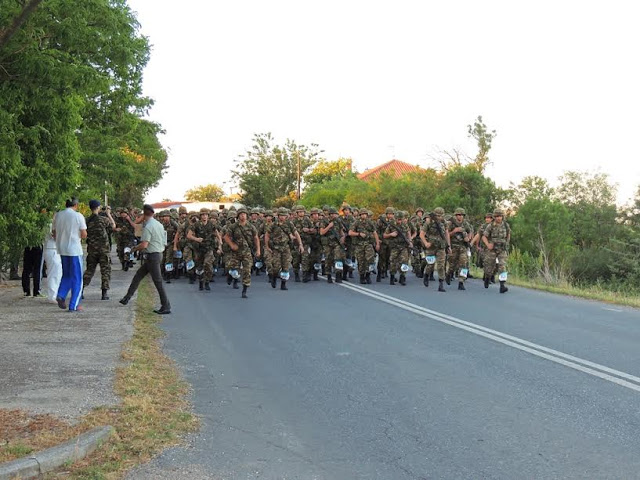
[[385, 247], [226, 250], [435, 239], [461, 234], [125, 230], [98, 228], [170, 228], [206, 236], [296, 253], [496, 238], [347, 221], [266, 255], [398, 236], [331, 230], [179, 240], [365, 242], [188, 252], [277, 241], [242, 237], [310, 234], [417, 258], [258, 222]]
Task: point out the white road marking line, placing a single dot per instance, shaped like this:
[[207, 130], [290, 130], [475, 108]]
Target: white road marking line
[[555, 356], [612, 309]]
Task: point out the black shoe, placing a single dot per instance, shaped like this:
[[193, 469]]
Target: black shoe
[[503, 288], [493, 279], [338, 277], [273, 281], [329, 279], [315, 276], [283, 285], [125, 267], [486, 281], [461, 286], [350, 274], [168, 279], [229, 279], [306, 276], [244, 291], [207, 287], [297, 276], [104, 294], [82, 295], [367, 278], [201, 286], [419, 274], [63, 305], [441, 286], [257, 275], [235, 283], [362, 280], [403, 279], [447, 279], [162, 311], [431, 277], [192, 280], [27, 294], [425, 280], [124, 300], [378, 277], [392, 279]]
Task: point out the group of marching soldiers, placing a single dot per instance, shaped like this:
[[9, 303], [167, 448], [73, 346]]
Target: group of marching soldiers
[[243, 242]]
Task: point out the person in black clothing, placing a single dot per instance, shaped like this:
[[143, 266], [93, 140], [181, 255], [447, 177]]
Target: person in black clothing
[[31, 264]]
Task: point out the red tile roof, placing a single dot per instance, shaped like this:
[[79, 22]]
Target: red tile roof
[[164, 205], [395, 168]]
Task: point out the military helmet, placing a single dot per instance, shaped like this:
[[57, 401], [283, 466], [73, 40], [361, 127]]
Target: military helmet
[[459, 211], [283, 211], [332, 210], [390, 210], [419, 209], [241, 210], [313, 210], [346, 206], [232, 214], [255, 210], [124, 210], [214, 214], [498, 212], [326, 208], [300, 208], [400, 214], [364, 211], [182, 210], [204, 210], [268, 213], [193, 214], [164, 213], [438, 211], [232, 208], [488, 215]]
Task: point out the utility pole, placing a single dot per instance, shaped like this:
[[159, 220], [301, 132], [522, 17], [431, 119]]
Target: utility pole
[[299, 175]]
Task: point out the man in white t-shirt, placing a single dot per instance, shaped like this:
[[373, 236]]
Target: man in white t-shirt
[[68, 230]]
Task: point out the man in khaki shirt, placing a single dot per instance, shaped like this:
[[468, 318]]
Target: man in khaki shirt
[[153, 242]]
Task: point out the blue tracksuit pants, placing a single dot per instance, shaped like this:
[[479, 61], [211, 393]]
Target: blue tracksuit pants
[[71, 280]]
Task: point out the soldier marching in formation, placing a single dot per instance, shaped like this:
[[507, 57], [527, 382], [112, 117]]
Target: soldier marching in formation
[[312, 242]]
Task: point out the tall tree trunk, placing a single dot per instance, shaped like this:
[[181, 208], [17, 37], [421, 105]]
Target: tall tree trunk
[[7, 33]]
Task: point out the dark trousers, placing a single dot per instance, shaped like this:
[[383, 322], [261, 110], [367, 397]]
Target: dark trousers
[[151, 265], [32, 261]]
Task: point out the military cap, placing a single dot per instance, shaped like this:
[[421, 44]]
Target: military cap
[[268, 213], [332, 210], [498, 213], [459, 211], [438, 211], [390, 210], [204, 210], [419, 209]]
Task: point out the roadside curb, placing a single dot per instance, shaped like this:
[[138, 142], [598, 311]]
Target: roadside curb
[[52, 458]]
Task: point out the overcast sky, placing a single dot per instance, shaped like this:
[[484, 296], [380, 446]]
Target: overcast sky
[[559, 81]]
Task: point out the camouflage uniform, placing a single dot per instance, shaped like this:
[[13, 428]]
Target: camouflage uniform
[[334, 251], [188, 251], [170, 227], [399, 247], [279, 243], [438, 248], [296, 256], [312, 246], [459, 258], [417, 259], [266, 256], [497, 234], [124, 237], [98, 228], [205, 249], [242, 259], [364, 246], [385, 246]]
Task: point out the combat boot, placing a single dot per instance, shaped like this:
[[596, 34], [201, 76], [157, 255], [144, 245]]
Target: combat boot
[[493, 279], [329, 279], [283, 285], [461, 286], [441, 286], [392, 279], [168, 278], [244, 291], [486, 281], [425, 279], [306, 277], [338, 277], [235, 283], [378, 276], [367, 278], [431, 277], [201, 287], [419, 273], [362, 280], [192, 279], [207, 287], [315, 275], [297, 276], [104, 294], [447, 278], [503, 288], [229, 279], [403, 279], [323, 269]]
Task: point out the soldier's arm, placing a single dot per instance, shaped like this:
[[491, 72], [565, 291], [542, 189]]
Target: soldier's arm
[[192, 237], [256, 241], [325, 230], [232, 245], [423, 239], [266, 241]]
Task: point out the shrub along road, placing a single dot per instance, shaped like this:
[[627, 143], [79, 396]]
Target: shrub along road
[[380, 382]]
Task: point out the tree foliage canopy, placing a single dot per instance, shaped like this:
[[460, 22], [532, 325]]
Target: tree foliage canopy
[[204, 193]]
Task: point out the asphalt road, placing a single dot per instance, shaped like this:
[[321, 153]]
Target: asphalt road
[[338, 382]]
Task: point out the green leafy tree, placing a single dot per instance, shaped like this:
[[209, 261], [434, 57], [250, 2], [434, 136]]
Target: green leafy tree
[[532, 187], [268, 171], [484, 138], [204, 193], [328, 170]]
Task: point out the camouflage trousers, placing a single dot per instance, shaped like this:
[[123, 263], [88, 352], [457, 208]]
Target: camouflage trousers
[[458, 259], [384, 256], [441, 256], [296, 258], [399, 255], [241, 260], [95, 257], [416, 260], [490, 267], [280, 260], [121, 245], [204, 262], [333, 253], [365, 256], [187, 256], [310, 256]]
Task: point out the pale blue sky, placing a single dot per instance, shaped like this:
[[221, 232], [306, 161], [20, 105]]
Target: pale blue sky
[[558, 80]]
